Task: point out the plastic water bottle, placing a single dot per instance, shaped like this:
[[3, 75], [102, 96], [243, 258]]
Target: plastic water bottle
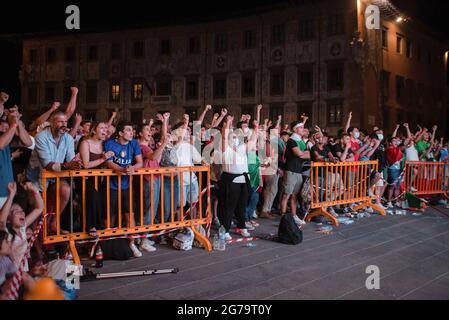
[[216, 243], [221, 241], [99, 257]]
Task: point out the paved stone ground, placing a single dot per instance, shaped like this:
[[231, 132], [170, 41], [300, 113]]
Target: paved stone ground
[[412, 253]]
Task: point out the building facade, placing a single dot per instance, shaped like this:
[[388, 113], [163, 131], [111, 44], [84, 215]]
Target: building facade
[[315, 58]]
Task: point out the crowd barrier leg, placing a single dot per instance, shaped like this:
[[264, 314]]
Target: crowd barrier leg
[[74, 252], [323, 213], [371, 205], [202, 239]]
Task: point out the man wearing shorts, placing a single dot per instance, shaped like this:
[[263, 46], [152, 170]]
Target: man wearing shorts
[[295, 155]]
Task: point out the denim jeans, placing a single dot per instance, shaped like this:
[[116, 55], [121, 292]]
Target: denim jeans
[[167, 198], [147, 196], [253, 200]]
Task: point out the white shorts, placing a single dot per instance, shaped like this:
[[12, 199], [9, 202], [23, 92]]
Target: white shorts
[[380, 183], [190, 190]]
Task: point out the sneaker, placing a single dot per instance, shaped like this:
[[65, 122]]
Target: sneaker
[[255, 216], [390, 205], [147, 246], [298, 221], [228, 236], [254, 223], [369, 210], [249, 226], [381, 205], [135, 251], [243, 232], [413, 189]]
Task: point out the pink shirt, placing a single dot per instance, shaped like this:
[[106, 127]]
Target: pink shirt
[[147, 163]]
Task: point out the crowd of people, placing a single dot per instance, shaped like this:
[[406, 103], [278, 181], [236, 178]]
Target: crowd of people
[[258, 169]]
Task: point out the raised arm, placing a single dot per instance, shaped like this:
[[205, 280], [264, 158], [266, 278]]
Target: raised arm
[[304, 120], [318, 129], [259, 108], [111, 119], [252, 141], [201, 118], [420, 134], [225, 132], [348, 122], [4, 211], [71, 106], [278, 123], [434, 130], [224, 112], [395, 132], [409, 133], [38, 204], [76, 126], [44, 117], [6, 138]]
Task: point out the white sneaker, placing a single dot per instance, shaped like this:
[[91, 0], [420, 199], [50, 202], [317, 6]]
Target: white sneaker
[[249, 226], [228, 236], [147, 246], [381, 206], [390, 205], [299, 221], [255, 216], [413, 189], [243, 232], [135, 251], [369, 210]]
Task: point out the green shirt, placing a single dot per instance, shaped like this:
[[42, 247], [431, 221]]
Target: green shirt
[[301, 145], [422, 146], [253, 169]]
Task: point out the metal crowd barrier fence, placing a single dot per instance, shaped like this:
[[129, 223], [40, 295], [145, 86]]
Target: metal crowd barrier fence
[[427, 178], [122, 205], [341, 183]]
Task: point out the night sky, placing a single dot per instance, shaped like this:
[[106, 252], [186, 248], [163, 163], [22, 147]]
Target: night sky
[[20, 18]]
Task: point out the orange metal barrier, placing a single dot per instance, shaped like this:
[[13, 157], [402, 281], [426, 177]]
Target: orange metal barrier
[[339, 184], [120, 223], [427, 178]]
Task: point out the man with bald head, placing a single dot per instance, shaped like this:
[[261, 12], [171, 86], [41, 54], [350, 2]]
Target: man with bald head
[[55, 149]]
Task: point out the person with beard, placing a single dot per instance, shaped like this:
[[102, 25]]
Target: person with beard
[[55, 149]]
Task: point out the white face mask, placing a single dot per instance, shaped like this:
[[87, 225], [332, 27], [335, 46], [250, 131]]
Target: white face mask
[[235, 142], [245, 130], [357, 135], [380, 136]]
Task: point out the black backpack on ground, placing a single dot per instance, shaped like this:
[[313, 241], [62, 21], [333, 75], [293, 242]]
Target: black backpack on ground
[[117, 249], [288, 232]]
